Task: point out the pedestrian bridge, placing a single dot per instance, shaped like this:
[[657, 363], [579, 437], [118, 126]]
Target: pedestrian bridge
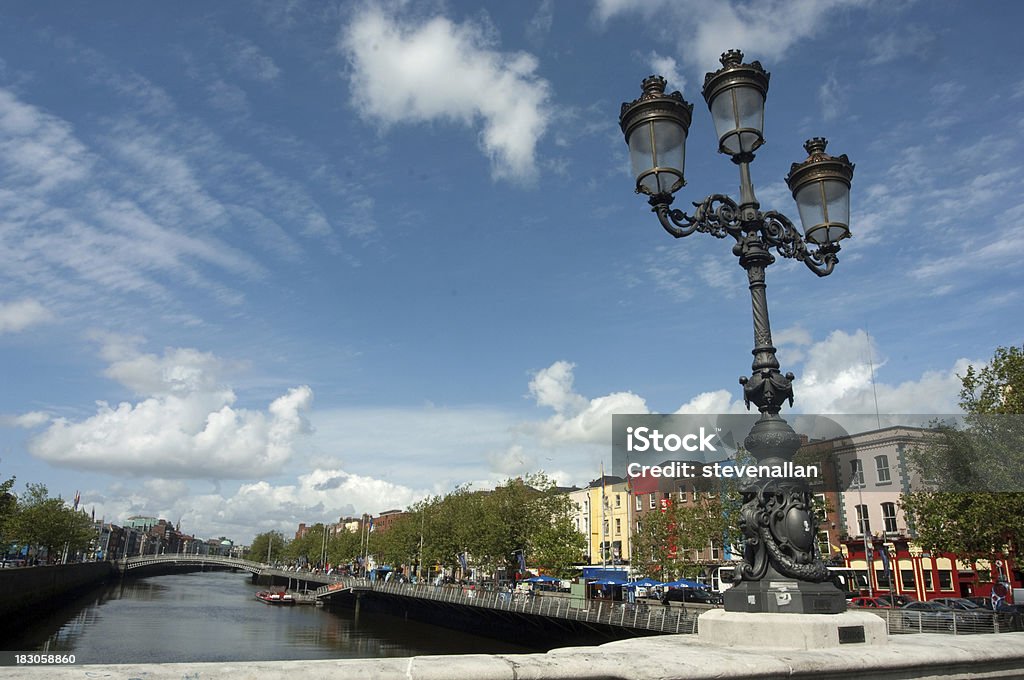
[[131, 563]]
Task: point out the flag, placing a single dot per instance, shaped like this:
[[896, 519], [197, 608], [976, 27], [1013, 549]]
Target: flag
[[885, 561], [78, 497], [522, 561], [462, 561]]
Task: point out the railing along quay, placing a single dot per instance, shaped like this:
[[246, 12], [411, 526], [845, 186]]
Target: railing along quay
[[957, 622], [641, 616]]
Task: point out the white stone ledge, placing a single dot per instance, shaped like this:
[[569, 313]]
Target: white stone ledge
[[654, 658]]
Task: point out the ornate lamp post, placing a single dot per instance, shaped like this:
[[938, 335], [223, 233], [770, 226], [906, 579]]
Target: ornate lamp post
[[781, 570]]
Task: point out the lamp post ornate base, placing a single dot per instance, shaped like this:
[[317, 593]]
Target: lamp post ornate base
[[780, 570]]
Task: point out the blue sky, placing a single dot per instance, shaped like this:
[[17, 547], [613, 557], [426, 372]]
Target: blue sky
[[265, 263]]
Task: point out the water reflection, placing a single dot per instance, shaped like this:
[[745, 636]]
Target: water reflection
[[214, 616]]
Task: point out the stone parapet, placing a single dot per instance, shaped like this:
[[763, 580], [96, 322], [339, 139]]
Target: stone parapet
[[654, 658]]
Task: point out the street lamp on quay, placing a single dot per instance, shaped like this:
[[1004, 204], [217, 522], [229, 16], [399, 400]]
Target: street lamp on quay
[[781, 570]]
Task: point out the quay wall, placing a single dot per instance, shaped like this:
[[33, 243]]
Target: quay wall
[[26, 587], [667, 657]]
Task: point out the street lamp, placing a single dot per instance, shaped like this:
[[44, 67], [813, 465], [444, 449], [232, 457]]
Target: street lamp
[[781, 570]]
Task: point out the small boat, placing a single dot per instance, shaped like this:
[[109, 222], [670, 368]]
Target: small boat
[[275, 598]]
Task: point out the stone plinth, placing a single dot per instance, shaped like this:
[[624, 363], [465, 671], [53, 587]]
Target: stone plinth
[[792, 631]]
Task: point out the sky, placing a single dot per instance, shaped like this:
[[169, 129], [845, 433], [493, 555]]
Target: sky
[[277, 262]]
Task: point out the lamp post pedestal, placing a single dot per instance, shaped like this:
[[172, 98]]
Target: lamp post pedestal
[[792, 631], [780, 571], [778, 594]]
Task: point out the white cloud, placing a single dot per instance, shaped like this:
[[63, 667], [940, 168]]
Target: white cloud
[[402, 72], [38, 151], [909, 41], [320, 495], [832, 98], [552, 387], [539, 26], [764, 30], [667, 67], [20, 314], [250, 61], [26, 420], [718, 401], [188, 426], [577, 419], [836, 378]]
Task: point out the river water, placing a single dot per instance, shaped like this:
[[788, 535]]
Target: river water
[[215, 616]]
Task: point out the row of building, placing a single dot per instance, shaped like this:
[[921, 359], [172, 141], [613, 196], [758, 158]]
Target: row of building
[[862, 528], [151, 536]]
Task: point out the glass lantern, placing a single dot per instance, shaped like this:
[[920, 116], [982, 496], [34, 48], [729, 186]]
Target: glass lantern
[[821, 188], [655, 126], [735, 95]]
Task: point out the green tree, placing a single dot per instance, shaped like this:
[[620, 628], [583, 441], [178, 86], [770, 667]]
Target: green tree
[[666, 542], [308, 548], [526, 514], [45, 522], [8, 510], [344, 547], [973, 507], [267, 547]]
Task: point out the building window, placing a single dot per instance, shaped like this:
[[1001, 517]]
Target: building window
[[820, 508], [907, 577], [654, 501], [682, 493], [618, 525], [639, 527], [926, 575], [889, 517], [857, 471], [639, 503], [863, 522], [618, 501], [716, 554], [945, 579], [824, 547], [882, 467]]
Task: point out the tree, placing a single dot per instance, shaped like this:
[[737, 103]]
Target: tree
[[8, 509], [663, 547], [45, 522], [308, 548], [344, 547], [268, 546], [972, 507]]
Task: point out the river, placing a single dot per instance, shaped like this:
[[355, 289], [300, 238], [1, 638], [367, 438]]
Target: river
[[214, 616]]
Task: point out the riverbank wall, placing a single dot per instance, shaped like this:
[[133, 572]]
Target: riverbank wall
[[666, 657], [25, 588]]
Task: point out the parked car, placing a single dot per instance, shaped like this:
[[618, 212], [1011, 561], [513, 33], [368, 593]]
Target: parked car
[[936, 616], [1004, 606], [961, 603], [870, 603], [899, 600], [698, 595]]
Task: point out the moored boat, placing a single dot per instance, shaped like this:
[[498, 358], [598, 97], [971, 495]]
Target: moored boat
[[275, 597]]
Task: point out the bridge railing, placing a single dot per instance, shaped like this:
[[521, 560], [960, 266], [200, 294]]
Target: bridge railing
[[654, 617], [140, 560]]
